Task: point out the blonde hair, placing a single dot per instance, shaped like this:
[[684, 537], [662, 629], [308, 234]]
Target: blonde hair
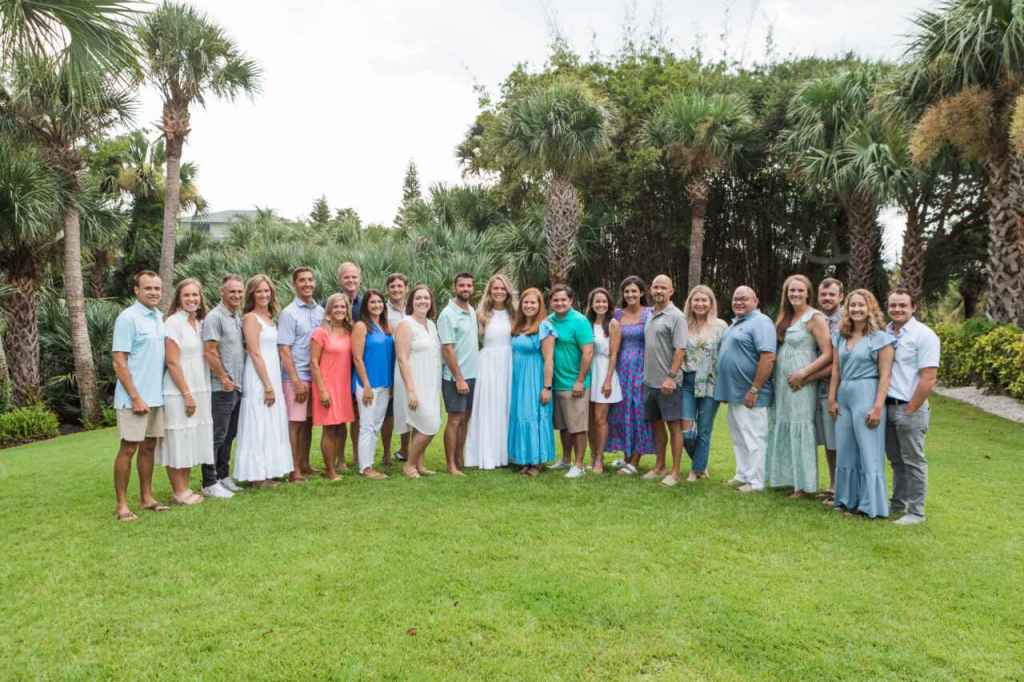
[[523, 325], [176, 301], [786, 311], [485, 308], [250, 288], [331, 300], [874, 321], [691, 318]]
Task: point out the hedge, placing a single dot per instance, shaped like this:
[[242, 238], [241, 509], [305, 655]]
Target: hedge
[[25, 424], [983, 354]]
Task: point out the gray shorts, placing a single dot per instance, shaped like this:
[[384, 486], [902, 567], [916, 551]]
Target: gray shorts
[[659, 407], [455, 402], [824, 425]]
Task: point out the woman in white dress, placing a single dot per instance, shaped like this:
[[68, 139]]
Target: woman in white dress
[[487, 442], [264, 451], [418, 379], [605, 389], [188, 420]]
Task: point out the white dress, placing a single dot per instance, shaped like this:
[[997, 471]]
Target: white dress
[[187, 441], [487, 441], [599, 369], [425, 359], [263, 450]]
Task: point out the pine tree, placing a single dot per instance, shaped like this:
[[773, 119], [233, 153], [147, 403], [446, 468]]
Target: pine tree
[[410, 193], [321, 213]]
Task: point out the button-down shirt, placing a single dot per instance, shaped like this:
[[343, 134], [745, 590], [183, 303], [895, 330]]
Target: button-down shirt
[[225, 327], [917, 347], [742, 345], [139, 332], [457, 326], [664, 334], [395, 315], [294, 329], [833, 328]]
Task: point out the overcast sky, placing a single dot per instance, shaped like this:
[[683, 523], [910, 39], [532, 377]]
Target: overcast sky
[[354, 89]]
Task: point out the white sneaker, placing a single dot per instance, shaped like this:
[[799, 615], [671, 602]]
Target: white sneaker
[[575, 472], [559, 465], [909, 520], [230, 484], [217, 490]]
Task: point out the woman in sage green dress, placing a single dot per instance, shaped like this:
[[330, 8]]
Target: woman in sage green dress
[[861, 369], [791, 458]]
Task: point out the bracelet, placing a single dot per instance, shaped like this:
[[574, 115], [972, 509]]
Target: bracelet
[[268, 388], [753, 390]]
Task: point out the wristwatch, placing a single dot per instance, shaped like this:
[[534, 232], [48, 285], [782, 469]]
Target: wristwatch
[[547, 388], [753, 390]]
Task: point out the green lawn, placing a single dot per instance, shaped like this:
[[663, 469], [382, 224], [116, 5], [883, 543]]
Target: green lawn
[[496, 576]]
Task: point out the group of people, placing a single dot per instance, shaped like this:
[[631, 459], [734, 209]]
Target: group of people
[[638, 376]]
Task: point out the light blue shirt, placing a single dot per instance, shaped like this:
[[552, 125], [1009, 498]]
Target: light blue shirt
[[741, 347], [457, 326], [295, 329], [917, 347], [139, 332]]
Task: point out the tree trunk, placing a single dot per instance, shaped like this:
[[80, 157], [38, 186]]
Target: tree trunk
[[5, 380], [21, 339], [101, 260], [912, 261], [81, 348], [172, 194], [562, 216], [861, 214], [697, 191], [1005, 300]]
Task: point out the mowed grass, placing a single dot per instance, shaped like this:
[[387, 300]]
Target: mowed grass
[[498, 577]]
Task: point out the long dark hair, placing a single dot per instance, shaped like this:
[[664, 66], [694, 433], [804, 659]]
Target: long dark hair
[[364, 313], [632, 279], [592, 316]]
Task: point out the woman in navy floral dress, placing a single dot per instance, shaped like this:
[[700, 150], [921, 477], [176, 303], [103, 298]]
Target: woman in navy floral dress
[[627, 431]]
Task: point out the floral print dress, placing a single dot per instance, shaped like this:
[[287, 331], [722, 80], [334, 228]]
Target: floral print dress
[[627, 431]]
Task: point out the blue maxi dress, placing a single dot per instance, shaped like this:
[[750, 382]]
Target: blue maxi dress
[[531, 439], [860, 451]]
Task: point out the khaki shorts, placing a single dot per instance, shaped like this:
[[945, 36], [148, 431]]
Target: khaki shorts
[[572, 414], [298, 412], [135, 428]]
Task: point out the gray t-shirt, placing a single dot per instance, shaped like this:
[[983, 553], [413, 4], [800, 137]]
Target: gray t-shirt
[[833, 328], [225, 328], [664, 334]]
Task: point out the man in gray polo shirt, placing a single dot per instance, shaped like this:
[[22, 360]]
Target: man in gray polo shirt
[[664, 354], [830, 302], [224, 350]]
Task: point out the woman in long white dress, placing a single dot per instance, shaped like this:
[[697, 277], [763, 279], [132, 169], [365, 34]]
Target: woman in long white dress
[[418, 379], [264, 451], [188, 419], [605, 389], [487, 442]]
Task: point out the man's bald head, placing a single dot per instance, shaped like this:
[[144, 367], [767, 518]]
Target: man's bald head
[[661, 291], [743, 300]]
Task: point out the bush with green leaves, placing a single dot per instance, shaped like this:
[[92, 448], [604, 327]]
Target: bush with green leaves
[[29, 423], [980, 353]]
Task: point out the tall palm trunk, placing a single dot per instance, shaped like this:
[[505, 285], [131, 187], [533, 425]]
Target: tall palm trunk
[[21, 337], [101, 261], [81, 347], [1005, 300], [861, 213], [697, 191], [175, 128], [562, 216], [912, 261]]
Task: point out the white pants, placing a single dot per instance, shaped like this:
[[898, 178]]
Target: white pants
[[371, 418], [748, 428]]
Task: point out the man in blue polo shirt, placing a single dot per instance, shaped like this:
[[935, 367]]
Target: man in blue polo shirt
[[745, 359], [138, 351]]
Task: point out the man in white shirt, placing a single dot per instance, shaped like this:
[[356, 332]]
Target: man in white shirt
[[914, 374], [396, 284]]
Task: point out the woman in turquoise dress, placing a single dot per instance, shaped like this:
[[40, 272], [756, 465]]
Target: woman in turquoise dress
[[861, 369], [531, 440], [791, 458]]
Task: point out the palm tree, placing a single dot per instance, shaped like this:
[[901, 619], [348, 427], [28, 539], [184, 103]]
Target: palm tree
[[188, 57], [30, 210], [91, 34], [701, 136], [966, 64], [59, 118], [832, 139], [557, 131]]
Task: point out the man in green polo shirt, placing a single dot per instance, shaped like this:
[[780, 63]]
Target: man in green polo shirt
[[457, 330], [574, 349]]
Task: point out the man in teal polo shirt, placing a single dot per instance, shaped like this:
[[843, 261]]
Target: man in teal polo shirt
[[138, 350], [574, 349], [457, 330]]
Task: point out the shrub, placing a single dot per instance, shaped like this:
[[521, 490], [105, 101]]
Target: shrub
[[24, 424], [957, 346], [981, 353]]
